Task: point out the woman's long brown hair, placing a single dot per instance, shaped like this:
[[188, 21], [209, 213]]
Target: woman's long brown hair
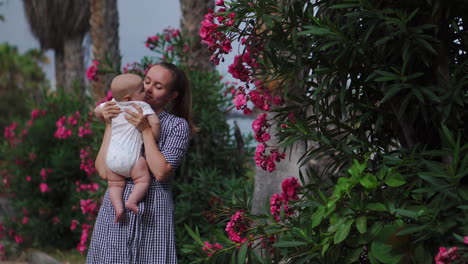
[[182, 105]]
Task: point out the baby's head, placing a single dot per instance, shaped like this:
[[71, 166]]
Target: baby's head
[[128, 87]]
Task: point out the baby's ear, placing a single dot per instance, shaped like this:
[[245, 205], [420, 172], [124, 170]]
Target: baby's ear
[[127, 98]]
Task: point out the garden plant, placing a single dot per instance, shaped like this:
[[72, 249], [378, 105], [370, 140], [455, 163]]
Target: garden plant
[[376, 90]]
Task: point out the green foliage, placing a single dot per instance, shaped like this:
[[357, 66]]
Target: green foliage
[[380, 88], [21, 79], [44, 176]]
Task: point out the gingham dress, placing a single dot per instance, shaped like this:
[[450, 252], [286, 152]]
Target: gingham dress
[[149, 236]]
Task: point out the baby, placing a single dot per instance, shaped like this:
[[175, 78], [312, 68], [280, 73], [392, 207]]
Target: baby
[[123, 155]]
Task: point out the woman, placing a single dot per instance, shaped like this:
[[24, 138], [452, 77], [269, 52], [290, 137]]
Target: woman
[[147, 237]]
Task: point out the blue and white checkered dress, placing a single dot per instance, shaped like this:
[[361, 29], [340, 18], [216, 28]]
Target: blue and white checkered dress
[[149, 236]]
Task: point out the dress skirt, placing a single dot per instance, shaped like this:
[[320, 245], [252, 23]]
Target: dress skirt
[[137, 239]]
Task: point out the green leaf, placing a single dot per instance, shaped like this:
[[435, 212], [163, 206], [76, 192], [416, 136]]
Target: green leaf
[[369, 181], [383, 253], [317, 216], [361, 224], [242, 253], [394, 180], [379, 207], [382, 172], [285, 244], [349, 5], [314, 30], [194, 236], [390, 93], [343, 231]]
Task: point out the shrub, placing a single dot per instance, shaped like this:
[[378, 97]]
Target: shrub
[[378, 88], [48, 173]]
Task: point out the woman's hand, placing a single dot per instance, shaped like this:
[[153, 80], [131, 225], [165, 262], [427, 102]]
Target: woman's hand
[[106, 113], [137, 119]]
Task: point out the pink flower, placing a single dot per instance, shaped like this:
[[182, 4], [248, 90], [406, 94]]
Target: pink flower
[[211, 249], [44, 187], [446, 256], [43, 174], [35, 113], [25, 220], [240, 100], [290, 188], [55, 220], [220, 2], [73, 225], [18, 239], [84, 130], [28, 178], [88, 206], [92, 71], [237, 226], [465, 239]]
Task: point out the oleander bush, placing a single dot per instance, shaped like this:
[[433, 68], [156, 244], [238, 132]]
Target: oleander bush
[[48, 174], [377, 92]]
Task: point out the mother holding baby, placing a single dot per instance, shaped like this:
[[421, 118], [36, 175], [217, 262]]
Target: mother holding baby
[[147, 237]]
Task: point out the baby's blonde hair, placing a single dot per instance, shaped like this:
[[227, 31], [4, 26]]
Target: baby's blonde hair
[[125, 84]]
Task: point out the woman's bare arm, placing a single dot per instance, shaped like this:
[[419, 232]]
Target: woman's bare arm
[[157, 163], [100, 163]]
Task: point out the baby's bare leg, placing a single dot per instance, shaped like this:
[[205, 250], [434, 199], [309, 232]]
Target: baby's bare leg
[[116, 188], [141, 179]]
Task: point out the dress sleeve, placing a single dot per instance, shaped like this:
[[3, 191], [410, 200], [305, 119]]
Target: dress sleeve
[[176, 144]]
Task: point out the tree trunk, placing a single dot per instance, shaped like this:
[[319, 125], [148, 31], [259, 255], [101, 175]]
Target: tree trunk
[[104, 23], [266, 184], [193, 12], [59, 69], [74, 65]]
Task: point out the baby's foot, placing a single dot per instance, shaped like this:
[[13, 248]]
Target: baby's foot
[[119, 213], [132, 207]]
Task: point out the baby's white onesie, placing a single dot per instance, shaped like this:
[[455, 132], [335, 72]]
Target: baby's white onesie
[[125, 143]]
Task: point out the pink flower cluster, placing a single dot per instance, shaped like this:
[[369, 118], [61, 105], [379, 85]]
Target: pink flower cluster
[[211, 249], [92, 71], [260, 97], [446, 256], [73, 224], [10, 135], [152, 42], [237, 226], [82, 245], [87, 162], [84, 130], [88, 207], [218, 43], [12, 233], [62, 131], [290, 188], [265, 161], [92, 187], [259, 126]]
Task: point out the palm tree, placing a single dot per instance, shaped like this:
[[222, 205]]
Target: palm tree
[[105, 36], [193, 12], [61, 26]]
